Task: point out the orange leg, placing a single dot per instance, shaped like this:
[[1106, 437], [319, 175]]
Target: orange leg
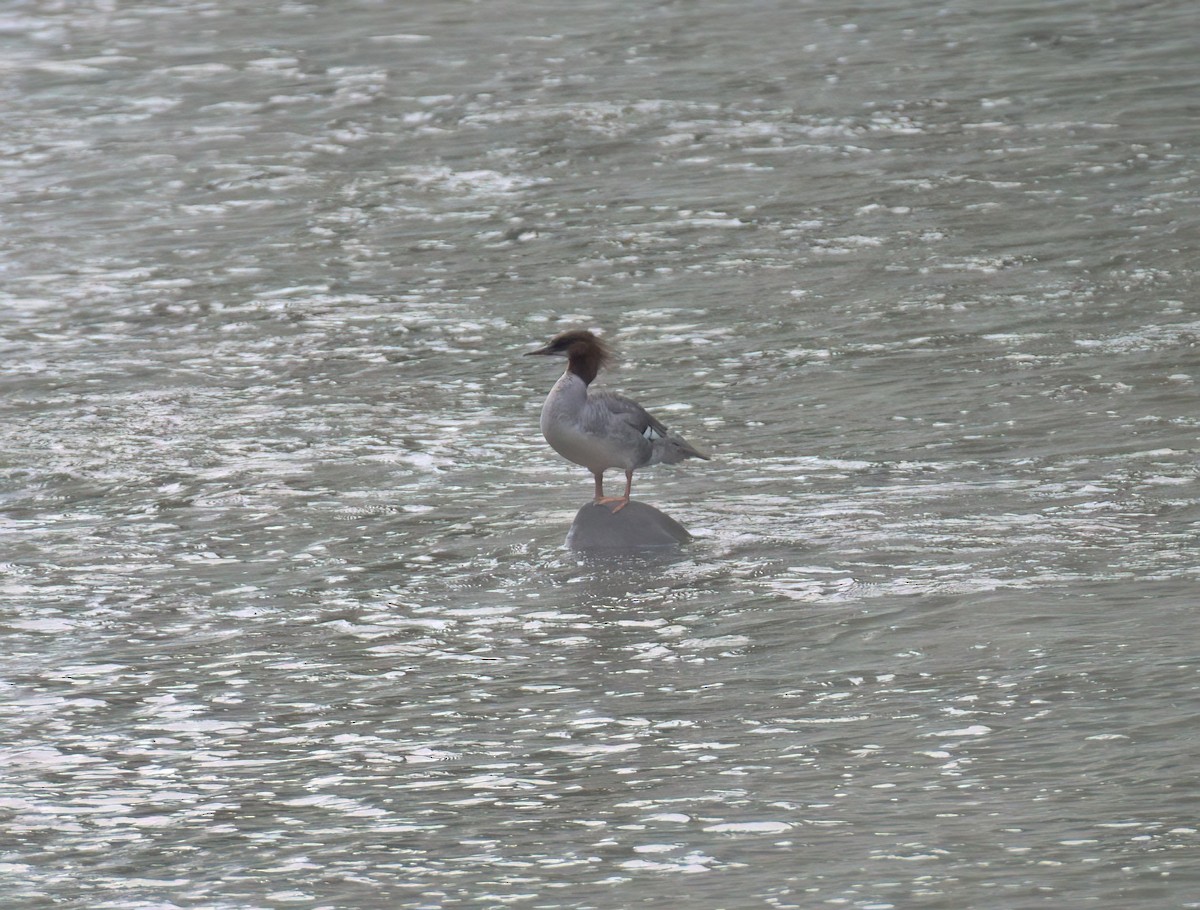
[[623, 500]]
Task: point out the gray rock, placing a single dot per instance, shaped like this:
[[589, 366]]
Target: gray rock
[[636, 527]]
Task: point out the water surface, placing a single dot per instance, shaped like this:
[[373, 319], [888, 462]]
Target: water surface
[[287, 616]]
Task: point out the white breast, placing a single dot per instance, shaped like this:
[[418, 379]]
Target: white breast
[[581, 436]]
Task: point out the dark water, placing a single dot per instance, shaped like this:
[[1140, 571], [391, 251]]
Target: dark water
[[287, 619]]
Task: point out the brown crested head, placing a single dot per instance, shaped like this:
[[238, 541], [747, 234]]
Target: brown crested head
[[586, 354]]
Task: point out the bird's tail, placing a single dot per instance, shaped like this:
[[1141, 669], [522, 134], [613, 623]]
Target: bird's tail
[[676, 448]]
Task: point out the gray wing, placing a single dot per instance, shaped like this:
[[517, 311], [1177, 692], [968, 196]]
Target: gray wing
[[628, 419], [632, 413]]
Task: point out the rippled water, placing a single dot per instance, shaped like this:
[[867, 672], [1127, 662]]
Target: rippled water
[[288, 620]]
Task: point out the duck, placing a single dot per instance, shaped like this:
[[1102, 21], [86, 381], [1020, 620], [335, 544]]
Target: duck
[[598, 429]]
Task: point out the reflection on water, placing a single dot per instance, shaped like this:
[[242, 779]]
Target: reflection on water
[[287, 615]]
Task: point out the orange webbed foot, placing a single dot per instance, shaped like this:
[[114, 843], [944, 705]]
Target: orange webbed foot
[[605, 500]]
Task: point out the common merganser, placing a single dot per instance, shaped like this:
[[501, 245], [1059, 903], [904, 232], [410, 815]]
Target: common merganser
[[602, 430]]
